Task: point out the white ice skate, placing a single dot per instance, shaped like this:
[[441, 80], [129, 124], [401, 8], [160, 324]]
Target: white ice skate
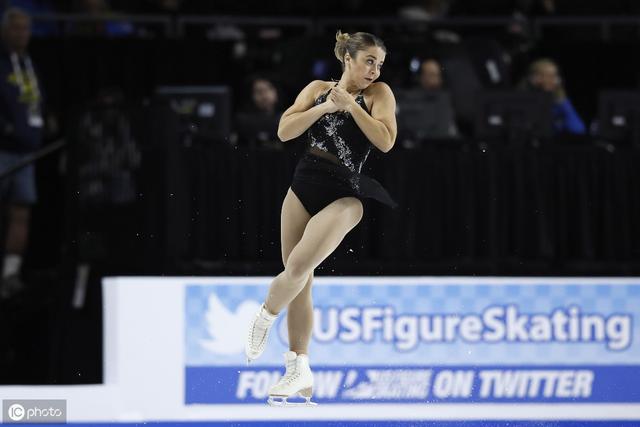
[[258, 333], [297, 380]]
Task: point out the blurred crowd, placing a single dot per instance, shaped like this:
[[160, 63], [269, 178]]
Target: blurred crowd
[[417, 9], [436, 89], [426, 108]]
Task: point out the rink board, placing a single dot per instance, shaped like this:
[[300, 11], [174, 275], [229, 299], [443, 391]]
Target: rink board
[[431, 341], [387, 351]]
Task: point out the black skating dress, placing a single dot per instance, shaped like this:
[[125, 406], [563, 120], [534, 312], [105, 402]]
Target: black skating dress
[[330, 168]]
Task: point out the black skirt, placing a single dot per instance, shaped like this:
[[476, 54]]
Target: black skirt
[[318, 181]]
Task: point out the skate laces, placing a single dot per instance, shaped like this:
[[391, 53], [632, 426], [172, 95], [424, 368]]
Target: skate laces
[[260, 328], [292, 373]]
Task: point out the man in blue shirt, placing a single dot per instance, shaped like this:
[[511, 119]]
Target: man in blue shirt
[[544, 75], [21, 125]]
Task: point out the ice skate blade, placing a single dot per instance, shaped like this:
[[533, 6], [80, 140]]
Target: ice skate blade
[[281, 401]]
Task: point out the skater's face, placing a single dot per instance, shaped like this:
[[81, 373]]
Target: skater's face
[[365, 68]]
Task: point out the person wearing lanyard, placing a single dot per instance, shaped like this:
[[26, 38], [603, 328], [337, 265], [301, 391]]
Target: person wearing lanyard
[[21, 125]]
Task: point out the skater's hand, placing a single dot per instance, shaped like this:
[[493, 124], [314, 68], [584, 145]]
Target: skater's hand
[[343, 100], [330, 106]]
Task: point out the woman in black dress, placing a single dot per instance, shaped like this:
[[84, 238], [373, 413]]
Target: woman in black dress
[[344, 121]]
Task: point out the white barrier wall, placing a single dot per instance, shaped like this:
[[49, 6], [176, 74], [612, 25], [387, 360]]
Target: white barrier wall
[[427, 348]]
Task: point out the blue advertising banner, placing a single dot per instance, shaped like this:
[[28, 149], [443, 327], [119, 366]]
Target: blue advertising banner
[[484, 340]]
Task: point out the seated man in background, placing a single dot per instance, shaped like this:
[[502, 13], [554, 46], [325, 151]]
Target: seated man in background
[[257, 123], [430, 75], [543, 75], [425, 111]]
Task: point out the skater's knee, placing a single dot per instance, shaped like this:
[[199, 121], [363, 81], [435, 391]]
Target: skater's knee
[[297, 271], [306, 291]]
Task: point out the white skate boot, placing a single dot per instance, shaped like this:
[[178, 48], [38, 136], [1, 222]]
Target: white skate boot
[[297, 380], [258, 333]]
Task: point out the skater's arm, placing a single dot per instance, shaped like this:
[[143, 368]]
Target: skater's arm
[[380, 127], [302, 114]]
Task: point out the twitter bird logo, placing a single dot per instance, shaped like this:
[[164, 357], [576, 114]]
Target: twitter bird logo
[[227, 329]]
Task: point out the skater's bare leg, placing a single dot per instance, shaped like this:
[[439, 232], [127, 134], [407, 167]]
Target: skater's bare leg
[[293, 221], [300, 319], [322, 235]]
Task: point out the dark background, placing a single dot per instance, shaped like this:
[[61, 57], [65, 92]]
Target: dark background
[[167, 201]]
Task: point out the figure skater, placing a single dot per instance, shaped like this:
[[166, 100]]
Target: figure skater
[[344, 119]]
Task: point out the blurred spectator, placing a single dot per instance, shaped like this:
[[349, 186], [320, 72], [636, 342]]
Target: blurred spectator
[[100, 27], [38, 7], [431, 81], [544, 75], [21, 125], [491, 61], [430, 76], [264, 95], [425, 111], [257, 122], [108, 153]]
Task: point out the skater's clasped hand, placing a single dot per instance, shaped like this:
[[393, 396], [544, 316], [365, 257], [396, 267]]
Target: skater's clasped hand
[[330, 106], [343, 100]]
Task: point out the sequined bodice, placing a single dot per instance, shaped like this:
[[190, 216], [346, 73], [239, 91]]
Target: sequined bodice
[[338, 133]]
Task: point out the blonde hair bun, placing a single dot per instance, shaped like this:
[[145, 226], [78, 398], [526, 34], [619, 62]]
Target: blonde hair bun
[[353, 43], [342, 37]]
